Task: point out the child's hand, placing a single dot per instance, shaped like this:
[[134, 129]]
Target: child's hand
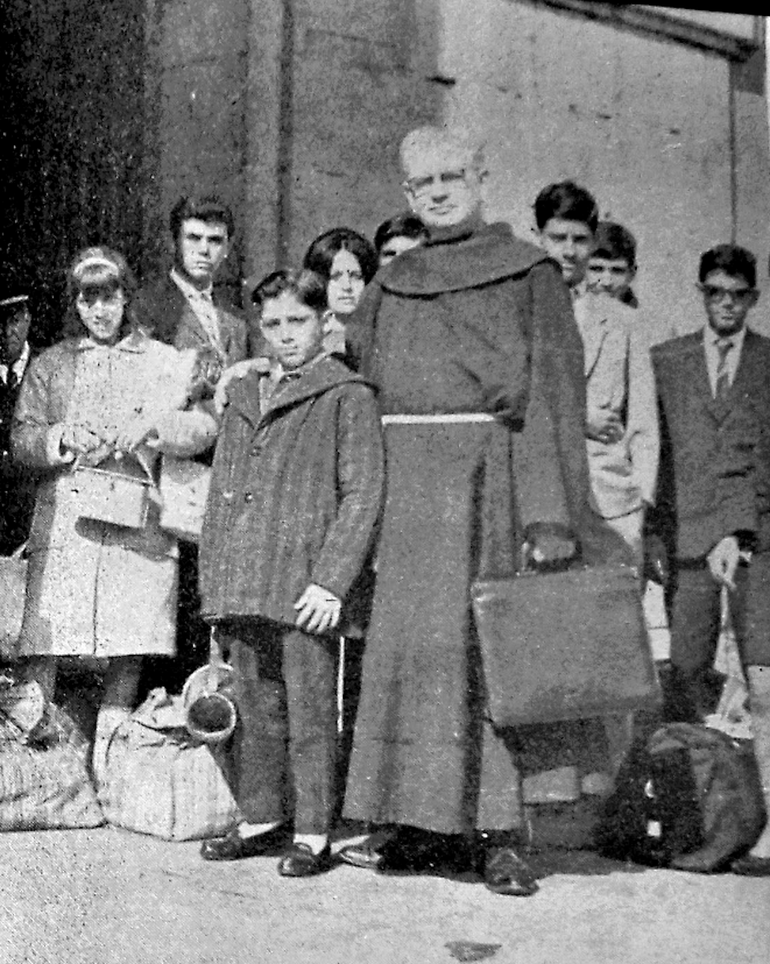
[[139, 429], [607, 430], [317, 610], [80, 438], [237, 370]]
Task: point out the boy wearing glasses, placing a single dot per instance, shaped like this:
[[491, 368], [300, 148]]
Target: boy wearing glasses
[[713, 506]]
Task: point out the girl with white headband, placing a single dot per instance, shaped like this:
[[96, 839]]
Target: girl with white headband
[[107, 396]]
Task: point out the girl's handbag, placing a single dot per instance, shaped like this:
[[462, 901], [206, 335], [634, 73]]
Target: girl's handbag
[[564, 645], [13, 586], [184, 488], [113, 497]]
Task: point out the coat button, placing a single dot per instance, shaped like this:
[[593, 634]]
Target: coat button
[[248, 497]]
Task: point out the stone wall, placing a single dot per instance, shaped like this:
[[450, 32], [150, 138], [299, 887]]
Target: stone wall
[[293, 110], [197, 70]]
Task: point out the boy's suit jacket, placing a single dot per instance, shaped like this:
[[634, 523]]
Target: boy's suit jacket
[[165, 312], [619, 381], [715, 456]]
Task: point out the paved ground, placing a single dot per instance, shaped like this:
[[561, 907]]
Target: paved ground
[[107, 897]]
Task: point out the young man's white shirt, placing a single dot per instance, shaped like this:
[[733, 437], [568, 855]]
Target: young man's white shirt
[[202, 304]]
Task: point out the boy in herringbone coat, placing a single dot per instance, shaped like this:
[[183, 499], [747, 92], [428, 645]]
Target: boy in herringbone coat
[[295, 496]]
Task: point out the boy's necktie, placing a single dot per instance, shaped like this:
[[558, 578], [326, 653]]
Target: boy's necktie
[[722, 386]]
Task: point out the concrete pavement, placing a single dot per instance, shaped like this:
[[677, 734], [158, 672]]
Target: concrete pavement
[[111, 897]]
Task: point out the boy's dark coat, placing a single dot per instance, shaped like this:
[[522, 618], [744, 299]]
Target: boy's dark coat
[[295, 494]]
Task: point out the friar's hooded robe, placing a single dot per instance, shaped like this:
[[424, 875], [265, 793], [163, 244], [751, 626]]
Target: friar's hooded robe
[[476, 321]]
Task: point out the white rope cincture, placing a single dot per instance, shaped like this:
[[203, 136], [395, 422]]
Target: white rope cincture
[[454, 418]]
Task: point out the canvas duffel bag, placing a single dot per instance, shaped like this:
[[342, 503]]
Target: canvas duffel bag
[[44, 778], [159, 781]]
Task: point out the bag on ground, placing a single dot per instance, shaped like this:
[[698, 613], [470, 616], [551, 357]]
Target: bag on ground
[[160, 781], [689, 797], [44, 777]]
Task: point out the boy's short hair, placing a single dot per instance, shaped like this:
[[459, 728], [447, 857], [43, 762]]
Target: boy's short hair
[[431, 138], [207, 208], [730, 258], [406, 225], [307, 286], [566, 200], [614, 242]]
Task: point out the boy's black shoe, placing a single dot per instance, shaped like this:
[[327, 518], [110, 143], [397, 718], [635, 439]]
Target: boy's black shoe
[[234, 847], [300, 861]]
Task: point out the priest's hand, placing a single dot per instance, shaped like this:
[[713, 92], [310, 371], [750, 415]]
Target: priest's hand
[[547, 549], [318, 610]]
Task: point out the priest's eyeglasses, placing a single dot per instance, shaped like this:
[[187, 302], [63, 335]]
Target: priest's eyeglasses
[[423, 185]]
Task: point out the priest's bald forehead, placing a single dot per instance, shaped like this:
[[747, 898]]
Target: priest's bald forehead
[[431, 147]]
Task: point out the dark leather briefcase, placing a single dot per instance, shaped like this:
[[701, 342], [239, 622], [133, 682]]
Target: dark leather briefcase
[[564, 645]]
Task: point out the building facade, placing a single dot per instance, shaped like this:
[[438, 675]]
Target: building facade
[[293, 111]]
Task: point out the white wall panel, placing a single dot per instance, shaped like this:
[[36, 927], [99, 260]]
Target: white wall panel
[[644, 123]]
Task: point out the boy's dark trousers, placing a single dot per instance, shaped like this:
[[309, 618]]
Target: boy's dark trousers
[[284, 748]]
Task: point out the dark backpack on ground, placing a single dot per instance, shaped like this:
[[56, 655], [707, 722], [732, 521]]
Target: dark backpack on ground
[[687, 797]]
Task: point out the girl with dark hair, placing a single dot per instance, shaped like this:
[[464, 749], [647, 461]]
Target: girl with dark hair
[[347, 262], [108, 397]]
